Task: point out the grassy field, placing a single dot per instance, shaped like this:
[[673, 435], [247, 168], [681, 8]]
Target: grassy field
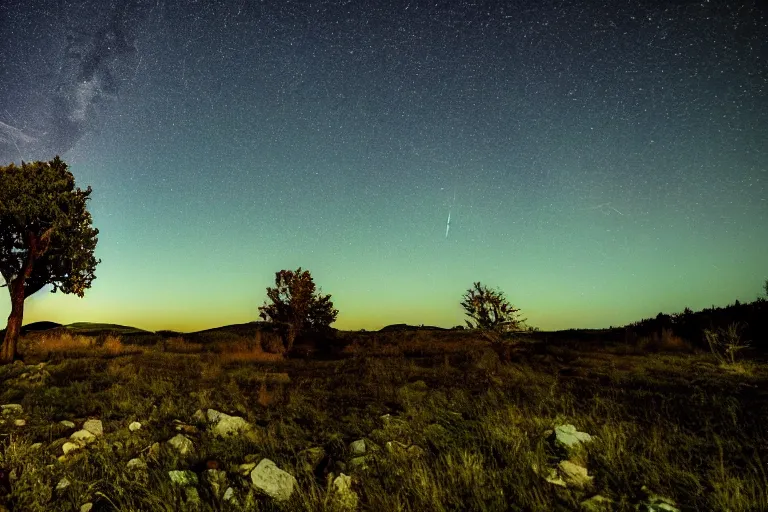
[[448, 425]]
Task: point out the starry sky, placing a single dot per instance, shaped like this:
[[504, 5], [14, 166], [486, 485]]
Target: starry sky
[[600, 162]]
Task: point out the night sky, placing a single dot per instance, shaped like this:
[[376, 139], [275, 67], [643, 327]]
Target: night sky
[[600, 163]]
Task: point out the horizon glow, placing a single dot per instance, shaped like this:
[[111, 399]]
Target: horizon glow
[[607, 163]]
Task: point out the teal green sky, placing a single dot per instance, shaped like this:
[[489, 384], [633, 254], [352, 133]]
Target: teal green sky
[[599, 166]]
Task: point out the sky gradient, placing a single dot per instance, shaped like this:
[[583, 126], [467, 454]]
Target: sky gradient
[[600, 164]]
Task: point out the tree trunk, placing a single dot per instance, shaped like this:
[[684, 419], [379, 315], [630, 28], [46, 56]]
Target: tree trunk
[[15, 319]]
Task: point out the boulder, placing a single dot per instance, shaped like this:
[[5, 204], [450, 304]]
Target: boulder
[[357, 447], [272, 481], [342, 492], [182, 444], [83, 437], [656, 503], [70, 447], [94, 427], [228, 426], [574, 475], [134, 426], [67, 424]]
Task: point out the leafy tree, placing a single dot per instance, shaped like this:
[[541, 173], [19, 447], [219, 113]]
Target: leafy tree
[[46, 237], [296, 305], [489, 309]]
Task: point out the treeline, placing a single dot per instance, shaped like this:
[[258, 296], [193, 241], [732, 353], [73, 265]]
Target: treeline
[[751, 319]]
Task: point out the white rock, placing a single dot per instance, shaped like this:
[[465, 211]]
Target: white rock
[[212, 415], [185, 477], [70, 447], [19, 422], [67, 423], [229, 495], [568, 437], [63, 484], [357, 447], [136, 465], [246, 468], [343, 494], [83, 437], [574, 475], [9, 409], [134, 426], [94, 427], [228, 426], [272, 481], [181, 444]]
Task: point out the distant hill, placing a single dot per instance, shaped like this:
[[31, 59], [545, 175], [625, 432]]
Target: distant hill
[[92, 329], [406, 327]]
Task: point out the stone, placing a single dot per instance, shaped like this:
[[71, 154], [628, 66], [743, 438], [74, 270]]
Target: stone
[[360, 462], [70, 447], [311, 458], [11, 409], [570, 440], [656, 503], [63, 484], [154, 452], [134, 426], [83, 437], [228, 426], [199, 416], [598, 503], [35, 446], [67, 423], [245, 469], [19, 422], [136, 465], [183, 478], [216, 480], [574, 475], [86, 507], [553, 477], [272, 481], [357, 447], [229, 496], [212, 415], [182, 444], [342, 492], [94, 427]]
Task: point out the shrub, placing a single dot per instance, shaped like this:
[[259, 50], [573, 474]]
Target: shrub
[[726, 343]]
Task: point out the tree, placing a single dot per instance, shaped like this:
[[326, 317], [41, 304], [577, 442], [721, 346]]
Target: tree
[[489, 309], [297, 306], [46, 237]]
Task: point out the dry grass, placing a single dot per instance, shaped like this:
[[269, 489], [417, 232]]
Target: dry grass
[[677, 423]]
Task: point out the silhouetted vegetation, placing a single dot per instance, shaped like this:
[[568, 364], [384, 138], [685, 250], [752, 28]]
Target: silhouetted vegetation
[[296, 307], [489, 309], [46, 237]]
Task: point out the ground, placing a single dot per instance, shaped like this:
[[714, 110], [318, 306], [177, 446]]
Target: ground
[[447, 424]]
